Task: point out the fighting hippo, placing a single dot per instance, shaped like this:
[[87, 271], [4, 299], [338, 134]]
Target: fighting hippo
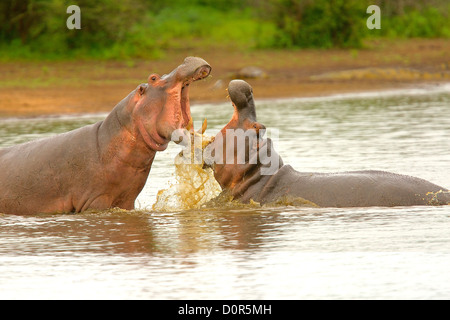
[[102, 165], [256, 172]]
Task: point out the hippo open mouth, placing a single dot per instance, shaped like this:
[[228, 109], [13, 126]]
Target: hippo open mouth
[[180, 97], [166, 108], [201, 73]]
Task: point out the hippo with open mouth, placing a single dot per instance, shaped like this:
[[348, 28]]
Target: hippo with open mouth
[[103, 165], [252, 170]]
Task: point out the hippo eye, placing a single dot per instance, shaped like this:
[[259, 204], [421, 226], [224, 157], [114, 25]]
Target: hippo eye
[[153, 77]]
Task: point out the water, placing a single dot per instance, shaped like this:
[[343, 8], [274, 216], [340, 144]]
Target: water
[[254, 253]]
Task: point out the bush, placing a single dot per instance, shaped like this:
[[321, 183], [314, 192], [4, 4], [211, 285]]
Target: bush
[[39, 27], [110, 29], [319, 23], [113, 29], [426, 22]]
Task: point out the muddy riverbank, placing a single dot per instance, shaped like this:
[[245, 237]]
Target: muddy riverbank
[[55, 87]]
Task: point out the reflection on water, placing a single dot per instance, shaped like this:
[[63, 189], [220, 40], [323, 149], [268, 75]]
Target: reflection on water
[[254, 253], [283, 253]]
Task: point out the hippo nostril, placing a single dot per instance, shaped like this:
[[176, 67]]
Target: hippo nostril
[[202, 72]]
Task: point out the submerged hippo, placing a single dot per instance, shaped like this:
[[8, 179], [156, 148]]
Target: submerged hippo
[[102, 165], [256, 172]]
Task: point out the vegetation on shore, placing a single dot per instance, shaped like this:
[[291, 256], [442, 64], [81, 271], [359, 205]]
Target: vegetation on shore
[[129, 29]]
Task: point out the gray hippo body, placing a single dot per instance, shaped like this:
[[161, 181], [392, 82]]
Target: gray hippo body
[[245, 180], [347, 189], [103, 165], [68, 173]]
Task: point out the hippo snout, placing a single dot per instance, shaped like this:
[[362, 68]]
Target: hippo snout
[[192, 69], [241, 93]]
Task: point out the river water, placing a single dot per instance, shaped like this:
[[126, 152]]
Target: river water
[[254, 253]]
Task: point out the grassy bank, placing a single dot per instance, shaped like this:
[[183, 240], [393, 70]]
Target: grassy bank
[[29, 88]]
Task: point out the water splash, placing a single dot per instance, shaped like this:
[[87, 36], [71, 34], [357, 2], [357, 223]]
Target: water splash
[[194, 185]]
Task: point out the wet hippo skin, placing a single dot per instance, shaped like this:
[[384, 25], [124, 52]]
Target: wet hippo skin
[[102, 165], [262, 176]]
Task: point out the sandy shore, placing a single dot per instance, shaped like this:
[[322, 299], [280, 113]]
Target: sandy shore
[[38, 88]]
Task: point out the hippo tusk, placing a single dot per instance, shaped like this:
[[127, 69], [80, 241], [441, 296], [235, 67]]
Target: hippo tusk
[[190, 125], [204, 125]]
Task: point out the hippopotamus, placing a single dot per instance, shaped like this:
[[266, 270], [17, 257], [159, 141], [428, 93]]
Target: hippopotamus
[[254, 171], [105, 164]]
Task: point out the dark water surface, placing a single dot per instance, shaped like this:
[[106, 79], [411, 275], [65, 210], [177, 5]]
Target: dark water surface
[[259, 253]]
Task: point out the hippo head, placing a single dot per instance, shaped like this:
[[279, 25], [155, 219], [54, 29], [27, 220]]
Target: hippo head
[[239, 154], [161, 106]]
